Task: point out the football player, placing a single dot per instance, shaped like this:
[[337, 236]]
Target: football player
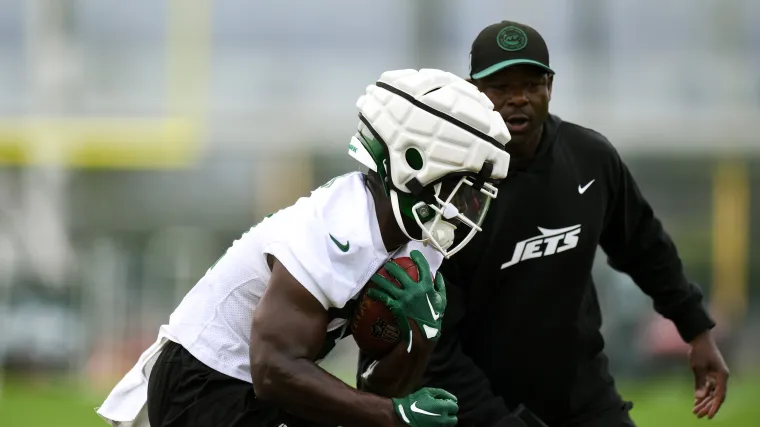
[[241, 348]]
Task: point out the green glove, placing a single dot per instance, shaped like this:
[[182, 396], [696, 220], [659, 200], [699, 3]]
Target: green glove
[[428, 407], [423, 301]]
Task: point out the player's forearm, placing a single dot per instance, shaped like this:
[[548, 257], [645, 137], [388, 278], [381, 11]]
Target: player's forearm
[[398, 374], [387, 382], [306, 390]]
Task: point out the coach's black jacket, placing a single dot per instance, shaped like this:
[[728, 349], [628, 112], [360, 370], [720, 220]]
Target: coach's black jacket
[[523, 319]]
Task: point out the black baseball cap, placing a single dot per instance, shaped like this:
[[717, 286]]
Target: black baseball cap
[[506, 44]]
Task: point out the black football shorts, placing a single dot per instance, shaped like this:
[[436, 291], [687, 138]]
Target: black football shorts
[[183, 392]]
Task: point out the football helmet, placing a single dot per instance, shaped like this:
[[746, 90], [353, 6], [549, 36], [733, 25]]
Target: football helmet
[[439, 149]]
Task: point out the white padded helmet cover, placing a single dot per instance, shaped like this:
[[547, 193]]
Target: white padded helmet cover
[[444, 146]]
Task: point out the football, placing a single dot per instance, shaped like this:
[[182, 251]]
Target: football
[[373, 326]]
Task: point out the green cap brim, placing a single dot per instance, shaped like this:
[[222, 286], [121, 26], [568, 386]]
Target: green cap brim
[[504, 64]]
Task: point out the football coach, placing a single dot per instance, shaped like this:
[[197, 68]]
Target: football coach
[[522, 328]]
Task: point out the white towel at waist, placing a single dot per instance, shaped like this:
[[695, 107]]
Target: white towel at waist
[[126, 405]]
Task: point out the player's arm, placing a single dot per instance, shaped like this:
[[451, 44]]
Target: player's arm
[[636, 244], [289, 328], [418, 305], [449, 368], [400, 372]]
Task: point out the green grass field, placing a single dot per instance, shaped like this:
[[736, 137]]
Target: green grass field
[[661, 403]]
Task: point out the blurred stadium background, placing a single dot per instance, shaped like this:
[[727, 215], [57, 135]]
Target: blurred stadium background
[[139, 138]]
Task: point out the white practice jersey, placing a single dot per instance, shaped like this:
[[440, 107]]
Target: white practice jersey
[[330, 242]]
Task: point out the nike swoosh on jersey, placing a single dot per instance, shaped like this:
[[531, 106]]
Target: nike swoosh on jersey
[[341, 246], [583, 189]]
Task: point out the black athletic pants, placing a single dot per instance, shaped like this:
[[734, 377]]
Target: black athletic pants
[[183, 392]]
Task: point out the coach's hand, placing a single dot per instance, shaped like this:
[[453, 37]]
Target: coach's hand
[[710, 375], [423, 301], [428, 407]]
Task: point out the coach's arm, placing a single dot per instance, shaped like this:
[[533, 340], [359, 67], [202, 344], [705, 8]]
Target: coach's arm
[[637, 244]]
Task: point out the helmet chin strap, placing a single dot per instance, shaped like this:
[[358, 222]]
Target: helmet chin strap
[[439, 233]]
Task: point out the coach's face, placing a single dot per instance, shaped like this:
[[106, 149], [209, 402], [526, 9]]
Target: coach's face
[[521, 94]]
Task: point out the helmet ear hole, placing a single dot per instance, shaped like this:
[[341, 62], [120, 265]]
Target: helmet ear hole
[[413, 158]]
